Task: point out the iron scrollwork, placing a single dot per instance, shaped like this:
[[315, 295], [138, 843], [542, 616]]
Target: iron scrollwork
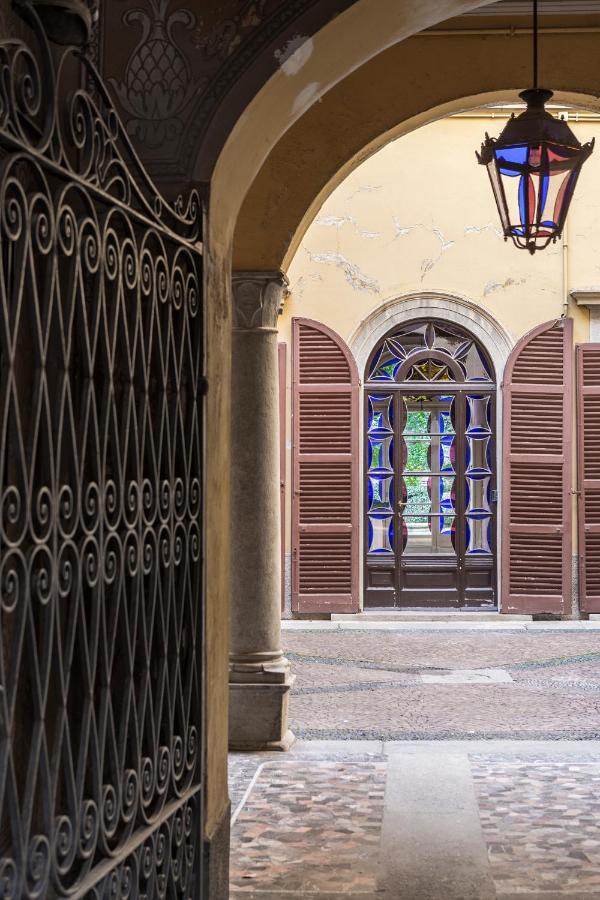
[[100, 499]]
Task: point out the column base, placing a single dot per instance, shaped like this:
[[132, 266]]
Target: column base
[[258, 716]]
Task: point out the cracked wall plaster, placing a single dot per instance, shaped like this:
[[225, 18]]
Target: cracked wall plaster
[[365, 189], [338, 222], [358, 280], [492, 286], [479, 229]]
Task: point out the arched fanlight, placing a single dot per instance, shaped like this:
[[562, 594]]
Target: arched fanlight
[[533, 168]]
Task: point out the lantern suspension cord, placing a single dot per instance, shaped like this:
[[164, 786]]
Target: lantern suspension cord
[[535, 43]]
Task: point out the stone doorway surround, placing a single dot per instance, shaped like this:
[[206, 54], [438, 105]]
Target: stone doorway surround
[[450, 308]]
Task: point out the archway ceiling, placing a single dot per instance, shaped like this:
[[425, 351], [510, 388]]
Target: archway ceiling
[[405, 86], [183, 71]]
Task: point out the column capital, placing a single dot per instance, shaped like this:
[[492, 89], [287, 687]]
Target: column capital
[[258, 299]]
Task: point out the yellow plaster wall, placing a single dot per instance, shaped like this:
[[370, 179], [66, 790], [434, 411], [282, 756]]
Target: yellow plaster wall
[[419, 216]]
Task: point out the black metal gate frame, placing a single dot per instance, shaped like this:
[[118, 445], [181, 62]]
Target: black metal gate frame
[[100, 498]]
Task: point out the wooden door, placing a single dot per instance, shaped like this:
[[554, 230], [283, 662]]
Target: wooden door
[[430, 490]]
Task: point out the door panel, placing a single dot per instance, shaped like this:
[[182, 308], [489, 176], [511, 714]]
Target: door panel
[[430, 512]]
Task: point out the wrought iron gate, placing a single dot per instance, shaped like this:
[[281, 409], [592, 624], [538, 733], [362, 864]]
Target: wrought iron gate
[[100, 500]]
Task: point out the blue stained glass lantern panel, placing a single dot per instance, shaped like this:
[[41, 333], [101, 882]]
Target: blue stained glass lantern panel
[[380, 493], [381, 534]]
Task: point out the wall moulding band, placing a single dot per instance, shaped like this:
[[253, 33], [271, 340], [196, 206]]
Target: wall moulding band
[[447, 307]]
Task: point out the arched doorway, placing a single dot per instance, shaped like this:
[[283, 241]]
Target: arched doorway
[[430, 470]]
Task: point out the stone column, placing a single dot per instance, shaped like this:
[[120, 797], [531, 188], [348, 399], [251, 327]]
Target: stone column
[[259, 674]]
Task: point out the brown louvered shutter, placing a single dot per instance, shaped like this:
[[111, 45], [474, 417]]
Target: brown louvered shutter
[[536, 510], [588, 474], [325, 472]]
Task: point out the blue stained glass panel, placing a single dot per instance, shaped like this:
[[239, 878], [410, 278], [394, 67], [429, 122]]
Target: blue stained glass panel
[[478, 536], [380, 454], [381, 534], [478, 461], [380, 413], [446, 447], [380, 493], [478, 415], [478, 495], [386, 365]]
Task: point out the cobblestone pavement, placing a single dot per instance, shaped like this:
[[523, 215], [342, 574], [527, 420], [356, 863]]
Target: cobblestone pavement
[[371, 684], [318, 822]]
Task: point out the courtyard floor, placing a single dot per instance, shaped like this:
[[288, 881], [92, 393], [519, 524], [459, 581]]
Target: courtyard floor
[[432, 764], [442, 683]]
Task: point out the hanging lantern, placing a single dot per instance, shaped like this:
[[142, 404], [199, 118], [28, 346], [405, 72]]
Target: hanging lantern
[[533, 168]]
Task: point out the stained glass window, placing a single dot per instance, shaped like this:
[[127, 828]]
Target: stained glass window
[[444, 354]]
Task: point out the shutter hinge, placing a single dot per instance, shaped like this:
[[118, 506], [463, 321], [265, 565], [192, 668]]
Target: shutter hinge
[[203, 386]]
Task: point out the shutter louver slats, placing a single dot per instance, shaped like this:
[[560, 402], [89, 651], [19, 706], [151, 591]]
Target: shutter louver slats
[[325, 454], [536, 510], [588, 474]]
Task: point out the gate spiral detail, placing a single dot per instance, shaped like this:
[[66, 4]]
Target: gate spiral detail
[[100, 498]]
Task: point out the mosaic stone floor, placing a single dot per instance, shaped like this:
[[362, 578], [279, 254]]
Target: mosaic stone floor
[[373, 685], [312, 823], [308, 826], [541, 822]]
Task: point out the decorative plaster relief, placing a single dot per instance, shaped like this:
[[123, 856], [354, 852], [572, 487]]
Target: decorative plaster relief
[[258, 299], [158, 82]]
